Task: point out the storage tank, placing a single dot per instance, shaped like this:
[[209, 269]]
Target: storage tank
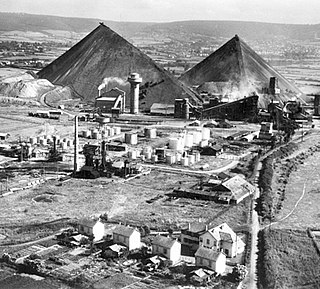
[[197, 137], [147, 149], [154, 158], [43, 142], [189, 140], [178, 157], [117, 130], [185, 161], [131, 138], [170, 159], [197, 157], [150, 132], [205, 133], [132, 155], [191, 159], [111, 131], [176, 144], [95, 134], [148, 155], [143, 158], [63, 145]]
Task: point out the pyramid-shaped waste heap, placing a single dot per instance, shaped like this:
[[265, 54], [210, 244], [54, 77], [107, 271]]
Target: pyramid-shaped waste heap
[[239, 66], [104, 54]]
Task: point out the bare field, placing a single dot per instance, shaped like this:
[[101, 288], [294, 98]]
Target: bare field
[[125, 202]]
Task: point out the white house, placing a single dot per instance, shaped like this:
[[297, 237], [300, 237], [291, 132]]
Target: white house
[[168, 247], [222, 238], [128, 236], [92, 227], [211, 259]]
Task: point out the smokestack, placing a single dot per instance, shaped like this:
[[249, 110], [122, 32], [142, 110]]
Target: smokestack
[[76, 144], [134, 80]]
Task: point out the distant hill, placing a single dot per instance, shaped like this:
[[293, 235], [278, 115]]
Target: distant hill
[[225, 29]]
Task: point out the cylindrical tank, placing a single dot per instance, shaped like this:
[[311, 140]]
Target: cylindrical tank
[[197, 157], [176, 144], [138, 152], [143, 158], [117, 130], [154, 158], [131, 138], [178, 157], [148, 155], [111, 131], [43, 142], [205, 133], [189, 140], [197, 137], [150, 132], [191, 159], [63, 145], [132, 155], [147, 149], [170, 159], [33, 140], [185, 161]]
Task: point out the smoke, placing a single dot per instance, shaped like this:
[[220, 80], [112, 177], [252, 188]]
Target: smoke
[[113, 82]]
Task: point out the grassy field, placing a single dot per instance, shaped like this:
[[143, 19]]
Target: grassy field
[[287, 259]]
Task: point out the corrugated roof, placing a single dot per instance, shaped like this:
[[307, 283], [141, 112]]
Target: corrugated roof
[[206, 253], [238, 187], [162, 241]]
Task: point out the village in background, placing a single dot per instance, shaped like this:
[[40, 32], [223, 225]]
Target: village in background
[[149, 157]]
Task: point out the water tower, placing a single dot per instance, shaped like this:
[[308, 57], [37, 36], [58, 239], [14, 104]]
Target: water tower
[[134, 80]]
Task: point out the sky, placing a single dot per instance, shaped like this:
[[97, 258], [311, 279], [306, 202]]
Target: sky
[[274, 11]]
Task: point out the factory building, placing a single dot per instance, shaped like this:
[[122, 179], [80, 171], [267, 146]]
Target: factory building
[[111, 100]]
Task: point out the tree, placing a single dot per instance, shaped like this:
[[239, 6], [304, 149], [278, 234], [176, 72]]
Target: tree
[[239, 272]]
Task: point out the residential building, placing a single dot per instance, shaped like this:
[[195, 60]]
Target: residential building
[[91, 227], [222, 238], [211, 259], [190, 235], [127, 236], [168, 247]]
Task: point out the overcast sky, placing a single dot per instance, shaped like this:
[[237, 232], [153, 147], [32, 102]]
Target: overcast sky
[[276, 11]]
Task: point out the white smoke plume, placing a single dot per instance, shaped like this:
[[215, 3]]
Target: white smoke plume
[[112, 81]]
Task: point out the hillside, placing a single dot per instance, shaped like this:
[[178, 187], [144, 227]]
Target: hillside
[[225, 29]]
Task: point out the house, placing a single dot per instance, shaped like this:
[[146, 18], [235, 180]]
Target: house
[[234, 190], [222, 238], [168, 247], [110, 100], [211, 259], [127, 236], [190, 235], [91, 227]]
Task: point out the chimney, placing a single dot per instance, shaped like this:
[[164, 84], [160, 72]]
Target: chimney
[[76, 144], [134, 80]]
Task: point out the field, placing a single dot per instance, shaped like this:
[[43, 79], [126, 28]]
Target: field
[[288, 257]]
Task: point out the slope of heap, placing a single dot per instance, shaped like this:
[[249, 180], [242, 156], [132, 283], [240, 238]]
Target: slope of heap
[[240, 67], [104, 54]]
